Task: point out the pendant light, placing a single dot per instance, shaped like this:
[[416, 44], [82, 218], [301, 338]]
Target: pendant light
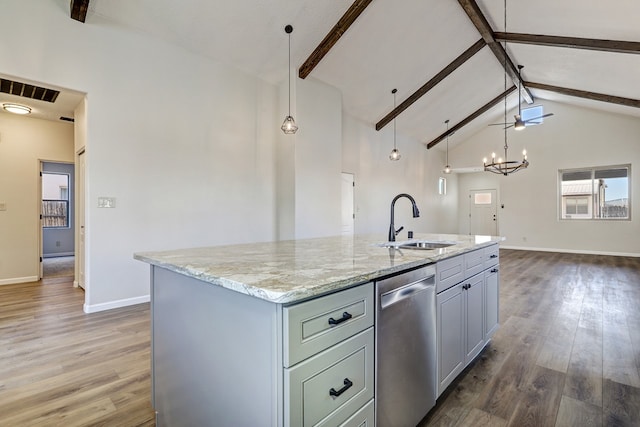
[[395, 154], [447, 168], [506, 166], [289, 125]]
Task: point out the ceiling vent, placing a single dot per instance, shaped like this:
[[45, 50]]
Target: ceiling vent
[[28, 91], [66, 119]]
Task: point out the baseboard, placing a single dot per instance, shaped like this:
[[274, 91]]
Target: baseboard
[[58, 254], [16, 280], [94, 308], [570, 251]]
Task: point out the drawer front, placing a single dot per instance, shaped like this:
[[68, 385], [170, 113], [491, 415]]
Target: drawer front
[[363, 418], [335, 383], [473, 262], [449, 272], [315, 325], [491, 256]]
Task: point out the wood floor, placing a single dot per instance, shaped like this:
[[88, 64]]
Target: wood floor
[[62, 367], [567, 352]]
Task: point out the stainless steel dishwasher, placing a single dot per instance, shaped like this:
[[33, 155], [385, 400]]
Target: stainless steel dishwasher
[[405, 347]]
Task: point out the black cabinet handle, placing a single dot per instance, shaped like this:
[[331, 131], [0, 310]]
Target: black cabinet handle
[[347, 385], [466, 286], [494, 270], [493, 256], [345, 316]]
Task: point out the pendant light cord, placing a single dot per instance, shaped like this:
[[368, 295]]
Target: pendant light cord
[[505, 82], [290, 73]]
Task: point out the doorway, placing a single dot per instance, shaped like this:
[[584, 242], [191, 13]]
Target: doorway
[[57, 219], [483, 212]]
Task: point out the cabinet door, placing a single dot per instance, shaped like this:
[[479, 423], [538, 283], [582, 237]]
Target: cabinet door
[[492, 301], [450, 312], [474, 299]]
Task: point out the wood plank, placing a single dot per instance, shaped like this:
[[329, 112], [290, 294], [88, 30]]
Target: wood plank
[[464, 56], [584, 373], [471, 117], [612, 99], [618, 46], [476, 16], [79, 9], [573, 413], [541, 401], [621, 404], [333, 36]]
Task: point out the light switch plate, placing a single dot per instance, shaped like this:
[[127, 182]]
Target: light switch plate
[[3, 206], [106, 202]]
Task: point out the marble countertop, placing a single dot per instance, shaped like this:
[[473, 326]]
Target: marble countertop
[[293, 270]]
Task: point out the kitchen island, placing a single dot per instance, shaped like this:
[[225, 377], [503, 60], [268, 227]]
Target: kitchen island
[[240, 334]]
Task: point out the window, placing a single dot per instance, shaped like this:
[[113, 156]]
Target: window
[[442, 186], [55, 200], [535, 112], [595, 193]]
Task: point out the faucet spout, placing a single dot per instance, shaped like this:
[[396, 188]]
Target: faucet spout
[[416, 213]]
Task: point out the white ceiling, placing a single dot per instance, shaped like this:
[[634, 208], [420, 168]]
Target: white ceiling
[[402, 44]]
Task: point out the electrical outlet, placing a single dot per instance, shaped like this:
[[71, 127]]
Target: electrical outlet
[[3, 206]]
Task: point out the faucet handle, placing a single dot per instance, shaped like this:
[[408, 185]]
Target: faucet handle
[[399, 230]]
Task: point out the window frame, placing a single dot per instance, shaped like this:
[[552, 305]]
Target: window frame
[[590, 216]]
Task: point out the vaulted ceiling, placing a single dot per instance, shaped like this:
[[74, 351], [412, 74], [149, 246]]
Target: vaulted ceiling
[[445, 57]]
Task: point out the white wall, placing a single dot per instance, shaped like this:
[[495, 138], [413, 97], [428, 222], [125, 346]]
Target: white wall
[[573, 138], [24, 142], [318, 159], [184, 144], [378, 180]]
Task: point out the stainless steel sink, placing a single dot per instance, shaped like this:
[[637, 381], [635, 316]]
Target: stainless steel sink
[[425, 245], [419, 244]]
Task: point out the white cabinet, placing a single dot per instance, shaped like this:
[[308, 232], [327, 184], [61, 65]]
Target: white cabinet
[[329, 359], [492, 301], [467, 310]]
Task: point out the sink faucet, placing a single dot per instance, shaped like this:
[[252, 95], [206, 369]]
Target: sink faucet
[[416, 213]]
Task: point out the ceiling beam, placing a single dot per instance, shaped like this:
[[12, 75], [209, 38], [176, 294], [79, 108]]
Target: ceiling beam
[[617, 46], [333, 36], [629, 102], [482, 25], [79, 9], [472, 117], [477, 46]]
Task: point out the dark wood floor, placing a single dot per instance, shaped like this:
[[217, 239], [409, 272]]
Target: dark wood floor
[[567, 352]]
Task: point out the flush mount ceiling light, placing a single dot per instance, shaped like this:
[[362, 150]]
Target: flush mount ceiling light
[[16, 108], [447, 168], [506, 166], [395, 154], [289, 125]]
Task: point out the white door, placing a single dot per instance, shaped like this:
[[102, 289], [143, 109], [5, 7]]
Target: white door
[[80, 220], [483, 213], [348, 212]]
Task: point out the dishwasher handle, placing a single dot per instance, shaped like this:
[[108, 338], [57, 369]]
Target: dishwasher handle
[[405, 292]]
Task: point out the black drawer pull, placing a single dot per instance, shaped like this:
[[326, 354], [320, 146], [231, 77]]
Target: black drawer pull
[[345, 316], [494, 270], [493, 256], [347, 385]]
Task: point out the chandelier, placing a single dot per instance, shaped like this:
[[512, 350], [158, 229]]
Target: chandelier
[[505, 166]]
